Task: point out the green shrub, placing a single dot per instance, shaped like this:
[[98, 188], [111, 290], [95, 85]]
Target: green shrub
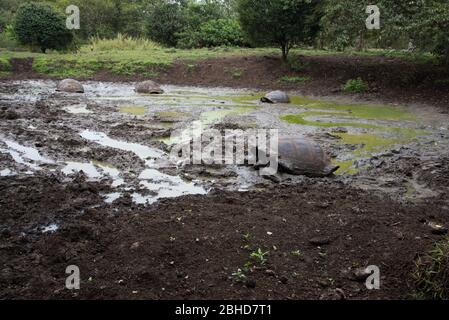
[[40, 25], [8, 38], [296, 64], [214, 33], [355, 86], [432, 273]]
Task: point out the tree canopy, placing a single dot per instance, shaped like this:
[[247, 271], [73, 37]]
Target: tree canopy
[[282, 22], [40, 25]]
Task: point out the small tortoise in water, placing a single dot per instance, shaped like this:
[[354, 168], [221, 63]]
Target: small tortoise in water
[[71, 86], [276, 97], [298, 156], [148, 87]]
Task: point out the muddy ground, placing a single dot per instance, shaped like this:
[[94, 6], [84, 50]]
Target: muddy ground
[[390, 80], [73, 192]]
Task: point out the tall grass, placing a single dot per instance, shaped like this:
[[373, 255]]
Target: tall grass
[[119, 43]]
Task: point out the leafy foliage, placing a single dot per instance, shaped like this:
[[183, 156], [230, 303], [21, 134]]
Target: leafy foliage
[[165, 20], [282, 22], [40, 25], [355, 86], [214, 33]]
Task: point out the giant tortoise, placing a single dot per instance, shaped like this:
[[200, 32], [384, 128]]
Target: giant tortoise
[[70, 85], [276, 97], [298, 156], [148, 87]]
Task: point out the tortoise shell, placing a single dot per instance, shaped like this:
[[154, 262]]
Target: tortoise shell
[[148, 87], [70, 85], [276, 97], [303, 157]]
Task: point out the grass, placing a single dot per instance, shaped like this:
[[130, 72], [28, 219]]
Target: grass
[[121, 42], [5, 65], [110, 57], [431, 275], [287, 79], [129, 56]]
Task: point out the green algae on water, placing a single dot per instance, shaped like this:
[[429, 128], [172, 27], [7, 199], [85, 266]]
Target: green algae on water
[[134, 110]]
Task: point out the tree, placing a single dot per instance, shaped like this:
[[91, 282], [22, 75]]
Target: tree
[[343, 24], [213, 33], [165, 20], [427, 22], [8, 9], [40, 25], [284, 23]]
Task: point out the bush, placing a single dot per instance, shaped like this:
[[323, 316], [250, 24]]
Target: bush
[[296, 64], [39, 25], [432, 273], [214, 33], [8, 38], [165, 21], [355, 86]]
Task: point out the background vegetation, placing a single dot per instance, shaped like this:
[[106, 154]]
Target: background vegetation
[[418, 26]]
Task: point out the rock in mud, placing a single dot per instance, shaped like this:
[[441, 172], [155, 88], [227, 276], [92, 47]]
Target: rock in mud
[[276, 97], [70, 85], [148, 87], [320, 241], [361, 274], [437, 229]]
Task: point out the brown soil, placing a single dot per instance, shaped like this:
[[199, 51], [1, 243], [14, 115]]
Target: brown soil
[[190, 247], [391, 80], [316, 233]]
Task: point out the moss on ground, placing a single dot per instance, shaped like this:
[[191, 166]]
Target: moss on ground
[[134, 110]]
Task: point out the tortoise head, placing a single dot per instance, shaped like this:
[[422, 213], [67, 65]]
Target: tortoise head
[[330, 169]]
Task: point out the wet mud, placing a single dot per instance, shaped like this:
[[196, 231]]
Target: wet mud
[[86, 180]]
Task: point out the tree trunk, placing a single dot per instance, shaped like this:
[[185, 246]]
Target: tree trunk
[[285, 50], [43, 49], [361, 42], [447, 56]]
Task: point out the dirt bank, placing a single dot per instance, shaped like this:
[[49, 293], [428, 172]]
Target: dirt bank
[[391, 80]]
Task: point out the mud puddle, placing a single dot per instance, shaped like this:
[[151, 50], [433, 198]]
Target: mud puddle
[[111, 133]]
